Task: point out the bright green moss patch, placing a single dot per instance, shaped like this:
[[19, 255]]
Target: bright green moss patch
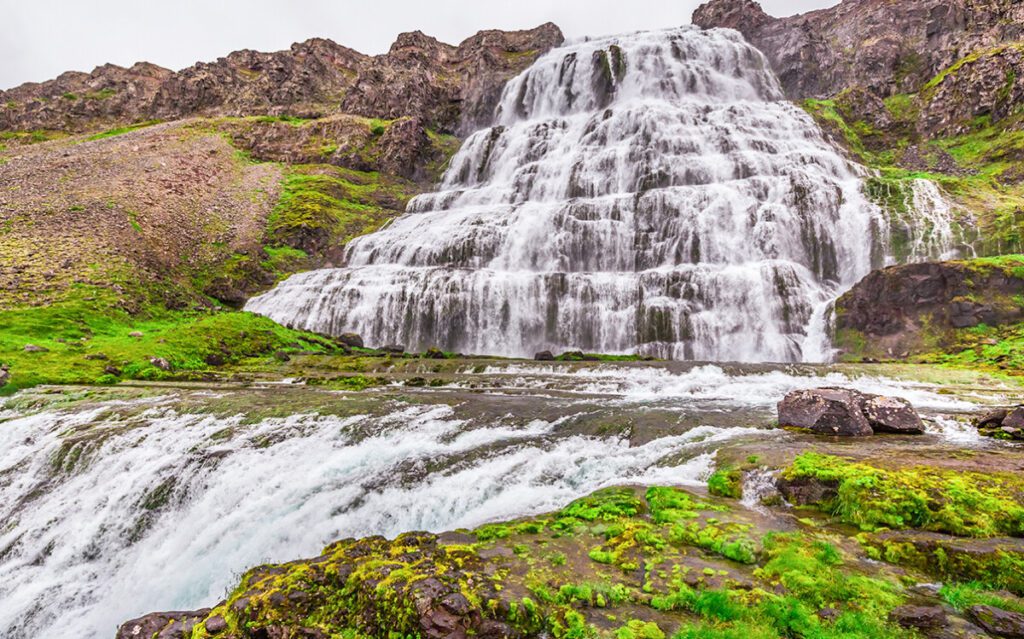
[[726, 482], [964, 595], [959, 503], [324, 206], [88, 339], [122, 130]]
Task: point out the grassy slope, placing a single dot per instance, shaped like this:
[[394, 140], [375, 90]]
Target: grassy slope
[[85, 323]]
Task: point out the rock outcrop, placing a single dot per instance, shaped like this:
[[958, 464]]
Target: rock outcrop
[[961, 55], [450, 88], [905, 310], [848, 413]]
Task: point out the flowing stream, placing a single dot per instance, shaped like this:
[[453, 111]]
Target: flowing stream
[[651, 193], [118, 507]]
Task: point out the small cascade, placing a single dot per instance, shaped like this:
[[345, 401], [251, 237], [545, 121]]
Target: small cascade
[[652, 193], [923, 223]]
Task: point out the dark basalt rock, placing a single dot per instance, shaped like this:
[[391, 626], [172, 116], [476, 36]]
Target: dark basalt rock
[[162, 625], [827, 411], [920, 617], [848, 413], [892, 415], [447, 88], [1003, 423], [998, 622], [351, 340], [904, 310], [544, 356]]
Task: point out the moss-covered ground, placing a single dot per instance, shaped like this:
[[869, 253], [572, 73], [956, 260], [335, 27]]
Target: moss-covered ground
[[660, 562]]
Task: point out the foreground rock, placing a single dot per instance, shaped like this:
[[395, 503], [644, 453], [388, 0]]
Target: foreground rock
[[1003, 424], [162, 625], [848, 413]]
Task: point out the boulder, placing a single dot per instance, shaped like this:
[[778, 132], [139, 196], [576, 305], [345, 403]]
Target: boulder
[[435, 353], [160, 363], [162, 625], [998, 622], [920, 617], [394, 349], [992, 419], [827, 411], [1015, 419], [216, 625], [892, 415], [135, 334], [352, 340], [544, 356], [5, 375], [32, 348]]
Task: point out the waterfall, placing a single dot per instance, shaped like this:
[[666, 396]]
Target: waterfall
[[652, 193]]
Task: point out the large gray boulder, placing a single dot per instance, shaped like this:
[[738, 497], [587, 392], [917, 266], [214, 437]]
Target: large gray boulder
[[827, 411], [998, 622], [848, 413]]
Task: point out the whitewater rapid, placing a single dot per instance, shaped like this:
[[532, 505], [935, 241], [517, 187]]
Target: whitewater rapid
[[113, 510], [651, 193]]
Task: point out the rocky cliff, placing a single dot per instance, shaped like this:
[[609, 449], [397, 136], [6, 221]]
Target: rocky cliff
[[962, 57], [924, 310], [448, 87], [265, 164]]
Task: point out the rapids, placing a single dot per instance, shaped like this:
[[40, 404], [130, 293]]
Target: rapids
[[652, 193], [159, 500]]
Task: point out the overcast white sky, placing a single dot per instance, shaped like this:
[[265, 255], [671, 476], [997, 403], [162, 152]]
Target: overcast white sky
[[39, 39]]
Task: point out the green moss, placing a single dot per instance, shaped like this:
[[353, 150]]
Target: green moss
[[959, 503], [90, 323], [726, 482], [122, 130], [964, 595]]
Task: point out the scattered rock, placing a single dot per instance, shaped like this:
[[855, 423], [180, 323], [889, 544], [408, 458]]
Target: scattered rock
[[394, 349], [827, 411], [32, 348], [282, 356], [160, 363], [1005, 423], [998, 622], [920, 617], [112, 370], [544, 356], [352, 340], [214, 359], [97, 357], [435, 353], [5, 375], [892, 415], [135, 334]]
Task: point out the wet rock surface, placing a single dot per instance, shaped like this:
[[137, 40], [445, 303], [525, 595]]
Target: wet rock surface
[[997, 622], [898, 309], [162, 625], [848, 413]]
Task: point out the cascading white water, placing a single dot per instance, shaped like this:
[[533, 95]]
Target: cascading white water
[[651, 193]]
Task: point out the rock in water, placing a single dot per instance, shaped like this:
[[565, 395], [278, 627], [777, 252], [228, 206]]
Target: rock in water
[[651, 193], [998, 622], [892, 415], [827, 411]]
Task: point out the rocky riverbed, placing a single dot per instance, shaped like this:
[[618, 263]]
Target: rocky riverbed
[[132, 499]]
